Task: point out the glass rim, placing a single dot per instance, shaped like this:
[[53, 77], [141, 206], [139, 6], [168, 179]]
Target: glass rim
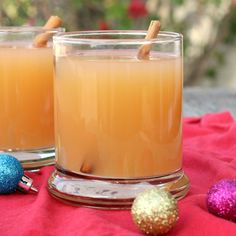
[[77, 37], [28, 29]]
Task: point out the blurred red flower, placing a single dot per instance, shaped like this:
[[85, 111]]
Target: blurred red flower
[[137, 9], [103, 25], [30, 21]]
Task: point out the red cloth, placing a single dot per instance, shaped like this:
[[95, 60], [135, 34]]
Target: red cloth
[[209, 156]]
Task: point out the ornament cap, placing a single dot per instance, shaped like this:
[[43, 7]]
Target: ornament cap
[[26, 185]]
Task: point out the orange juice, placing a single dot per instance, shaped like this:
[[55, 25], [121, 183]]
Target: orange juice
[[119, 117], [26, 88]]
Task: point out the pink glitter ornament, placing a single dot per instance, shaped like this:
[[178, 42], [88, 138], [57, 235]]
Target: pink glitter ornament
[[221, 199]]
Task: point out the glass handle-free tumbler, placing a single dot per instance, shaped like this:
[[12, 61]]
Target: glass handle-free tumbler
[[117, 118], [26, 96]]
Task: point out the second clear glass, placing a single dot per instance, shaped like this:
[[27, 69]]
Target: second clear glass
[[118, 119], [26, 96]]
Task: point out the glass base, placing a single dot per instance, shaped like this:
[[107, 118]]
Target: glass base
[[111, 193], [33, 160]]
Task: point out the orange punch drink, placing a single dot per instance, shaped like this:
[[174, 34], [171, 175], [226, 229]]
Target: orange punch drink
[[117, 117], [26, 91]]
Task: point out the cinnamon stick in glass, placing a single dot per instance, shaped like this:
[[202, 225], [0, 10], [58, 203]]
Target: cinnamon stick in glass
[[153, 30], [42, 39]]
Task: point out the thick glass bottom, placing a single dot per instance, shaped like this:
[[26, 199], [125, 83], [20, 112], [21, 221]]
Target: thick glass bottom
[[33, 160], [111, 193]]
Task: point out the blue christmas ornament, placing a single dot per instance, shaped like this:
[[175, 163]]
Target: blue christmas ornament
[[12, 175]]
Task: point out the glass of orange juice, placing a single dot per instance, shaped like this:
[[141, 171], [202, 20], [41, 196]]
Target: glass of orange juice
[[26, 96], [118, 119]]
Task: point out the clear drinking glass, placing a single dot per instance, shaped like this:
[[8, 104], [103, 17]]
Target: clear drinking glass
[[26, 96], [117, 118]]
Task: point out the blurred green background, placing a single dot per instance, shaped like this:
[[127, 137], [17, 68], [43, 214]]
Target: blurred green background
[[208, 26]]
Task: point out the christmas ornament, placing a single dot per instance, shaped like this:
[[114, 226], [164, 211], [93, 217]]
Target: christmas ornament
[[221, 199], [155, 211], [12, 176]]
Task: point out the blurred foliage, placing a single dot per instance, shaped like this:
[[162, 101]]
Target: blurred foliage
[[205, 24], [232, 27]]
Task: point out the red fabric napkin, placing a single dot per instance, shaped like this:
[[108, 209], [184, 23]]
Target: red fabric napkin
[[209, 156]]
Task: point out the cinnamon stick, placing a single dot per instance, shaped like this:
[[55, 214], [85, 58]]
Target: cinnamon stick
[[153, 30], [42, 39], [86, 168]]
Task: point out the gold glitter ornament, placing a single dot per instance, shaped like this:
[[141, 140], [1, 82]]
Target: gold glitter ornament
[[155, 211]]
